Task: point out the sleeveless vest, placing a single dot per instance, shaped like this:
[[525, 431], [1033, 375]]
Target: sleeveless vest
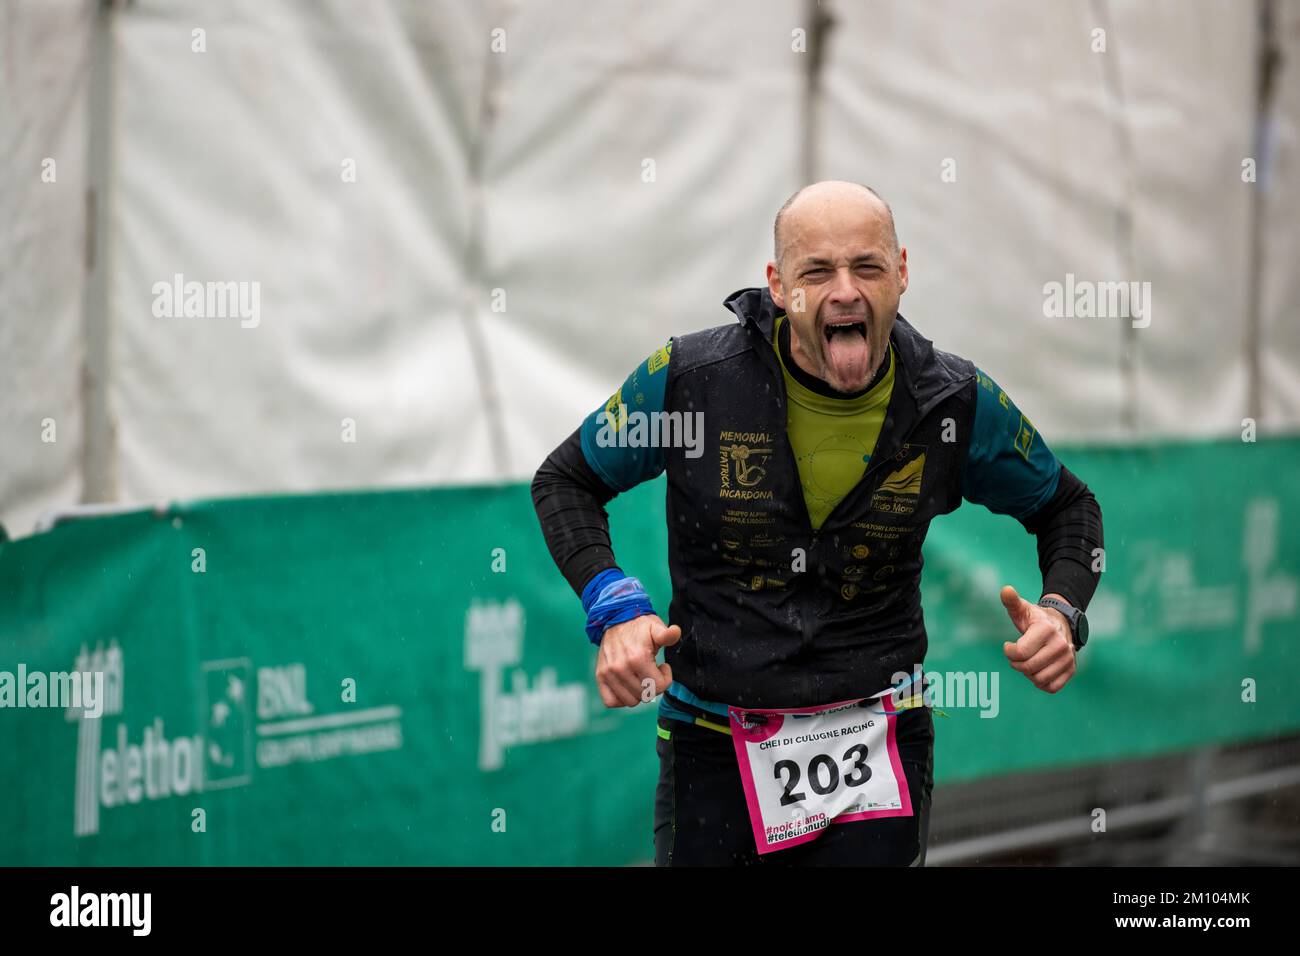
[[773, 614]]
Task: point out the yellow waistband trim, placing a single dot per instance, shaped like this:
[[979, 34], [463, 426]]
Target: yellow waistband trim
[[712, 726]]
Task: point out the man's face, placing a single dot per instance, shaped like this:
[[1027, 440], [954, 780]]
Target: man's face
[[840, 283]]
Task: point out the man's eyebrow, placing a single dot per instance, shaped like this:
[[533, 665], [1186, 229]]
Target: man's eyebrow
[[860, 257]]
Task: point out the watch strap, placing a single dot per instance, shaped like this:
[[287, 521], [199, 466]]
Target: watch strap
[[1071, 614]]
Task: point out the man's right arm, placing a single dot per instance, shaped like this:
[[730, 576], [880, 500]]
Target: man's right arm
[[577, 480], [570, 500], [570, 491]]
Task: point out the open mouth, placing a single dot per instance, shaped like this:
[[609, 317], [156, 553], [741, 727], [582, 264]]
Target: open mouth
[[845, 328], [848, 352]]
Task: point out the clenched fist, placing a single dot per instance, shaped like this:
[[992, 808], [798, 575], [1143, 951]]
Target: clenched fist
[[626, 671]]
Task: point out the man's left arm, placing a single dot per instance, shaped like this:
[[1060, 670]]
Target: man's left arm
[[1011, 470]]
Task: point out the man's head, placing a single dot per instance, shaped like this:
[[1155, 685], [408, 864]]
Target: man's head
[[838, 272]]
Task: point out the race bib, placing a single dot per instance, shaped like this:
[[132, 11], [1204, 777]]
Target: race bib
[[807, 768]]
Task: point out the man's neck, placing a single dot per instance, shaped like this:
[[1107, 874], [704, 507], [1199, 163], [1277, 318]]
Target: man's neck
[[821, 386]]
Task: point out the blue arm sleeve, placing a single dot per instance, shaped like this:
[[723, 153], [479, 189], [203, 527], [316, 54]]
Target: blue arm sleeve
[[617, 438], [610, 598], [1010, 469]]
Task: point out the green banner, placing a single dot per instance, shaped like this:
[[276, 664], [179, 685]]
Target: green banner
[[402, 677]]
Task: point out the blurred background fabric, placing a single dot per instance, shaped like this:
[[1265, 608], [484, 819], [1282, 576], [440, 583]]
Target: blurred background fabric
[[526, 221], [459, 226]]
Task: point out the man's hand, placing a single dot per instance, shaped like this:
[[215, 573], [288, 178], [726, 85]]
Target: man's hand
[[626, 671], [1044, 653]]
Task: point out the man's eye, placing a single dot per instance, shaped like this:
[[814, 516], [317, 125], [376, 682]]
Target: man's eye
[[868, 268], [814, 273]]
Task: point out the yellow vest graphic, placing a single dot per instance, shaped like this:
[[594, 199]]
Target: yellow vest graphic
[[907, 480]]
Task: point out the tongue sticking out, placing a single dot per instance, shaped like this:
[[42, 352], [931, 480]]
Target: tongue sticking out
[[847, 353]]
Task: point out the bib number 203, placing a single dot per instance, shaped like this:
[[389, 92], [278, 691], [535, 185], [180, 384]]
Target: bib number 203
[[803, 770], [822, 766]]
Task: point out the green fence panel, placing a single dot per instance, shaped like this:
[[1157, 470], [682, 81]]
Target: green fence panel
[[401, 677]]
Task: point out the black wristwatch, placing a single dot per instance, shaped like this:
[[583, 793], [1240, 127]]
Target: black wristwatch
[[1078, 620]]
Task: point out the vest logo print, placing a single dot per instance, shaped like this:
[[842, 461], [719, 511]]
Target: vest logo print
[[659, 360], [1025, 436], [749, 464], [742, 461], [614, 409], [901, 489]]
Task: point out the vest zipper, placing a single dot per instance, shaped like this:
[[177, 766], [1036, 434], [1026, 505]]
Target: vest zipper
[[807, 603], [808, 587], [807, 584]]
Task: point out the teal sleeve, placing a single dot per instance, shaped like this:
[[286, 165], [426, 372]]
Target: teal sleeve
[[619, 438], [1010, 469]]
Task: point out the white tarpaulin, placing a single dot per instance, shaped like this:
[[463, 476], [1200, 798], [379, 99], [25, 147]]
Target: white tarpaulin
[[1280, 293], [44, 67], [1020, 147], [427, 238], [233, 166], [633, 170], [1187, 75]]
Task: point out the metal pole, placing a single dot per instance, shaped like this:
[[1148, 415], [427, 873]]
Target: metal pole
[[819, 27], [99, 460], [1266, 71], [1118, 109], [473, 291]]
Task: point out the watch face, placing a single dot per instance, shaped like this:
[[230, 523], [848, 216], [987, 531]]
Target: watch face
[[1081, 625]]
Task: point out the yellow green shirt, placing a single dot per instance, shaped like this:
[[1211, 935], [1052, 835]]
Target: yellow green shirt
[[832, 438]]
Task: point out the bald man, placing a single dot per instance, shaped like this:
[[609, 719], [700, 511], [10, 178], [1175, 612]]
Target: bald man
[[807, 448]]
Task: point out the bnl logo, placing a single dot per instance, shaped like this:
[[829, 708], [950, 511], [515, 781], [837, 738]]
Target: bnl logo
[[526, 713]]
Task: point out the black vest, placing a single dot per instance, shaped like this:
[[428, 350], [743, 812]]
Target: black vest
[[773, 614]]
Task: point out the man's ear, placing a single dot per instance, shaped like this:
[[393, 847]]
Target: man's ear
[[902, 269], [774, 285]]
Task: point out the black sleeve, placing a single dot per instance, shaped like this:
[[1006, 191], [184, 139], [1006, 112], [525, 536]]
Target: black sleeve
[[569, 498], [1068, 529]]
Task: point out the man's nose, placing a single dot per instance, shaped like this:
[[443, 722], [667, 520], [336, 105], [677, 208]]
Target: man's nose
[[843, 291]]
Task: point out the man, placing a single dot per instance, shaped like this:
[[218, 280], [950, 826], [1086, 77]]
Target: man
[[833, 432]]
